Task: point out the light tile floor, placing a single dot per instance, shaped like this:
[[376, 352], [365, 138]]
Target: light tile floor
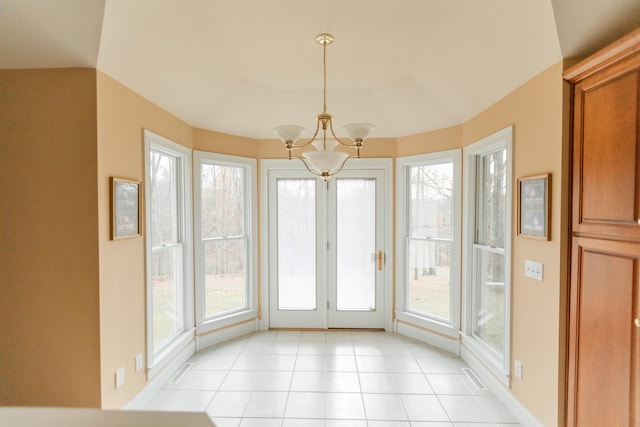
[[331, 379]]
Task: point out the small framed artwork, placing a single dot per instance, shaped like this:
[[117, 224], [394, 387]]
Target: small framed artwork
[[533, 206], [125, 208]]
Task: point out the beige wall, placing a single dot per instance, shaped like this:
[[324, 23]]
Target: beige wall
[[537, 336], [122, 116], [76, 128], [430, 142], [49, 303]]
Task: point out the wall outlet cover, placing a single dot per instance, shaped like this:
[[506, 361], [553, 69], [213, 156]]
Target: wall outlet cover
[[119, 377]]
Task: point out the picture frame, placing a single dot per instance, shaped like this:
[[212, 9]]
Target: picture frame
[[126, 196], [534, 207]]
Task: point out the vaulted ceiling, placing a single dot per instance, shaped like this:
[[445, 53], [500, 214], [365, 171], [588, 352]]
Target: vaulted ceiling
[[246, 66]]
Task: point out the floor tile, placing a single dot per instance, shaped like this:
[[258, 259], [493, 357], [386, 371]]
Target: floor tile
[[496, 410], [411, 384], [305, 405], [331, 379], [423, 407], [371, 364], [377, 382], [260, 422], [383, 407], [226, 422], [266, 404], [345, 423], [308, 381], [402, 364], [344, 406], [228, 404], [342, 382], [300, 422], [464, 409], [447, 384]]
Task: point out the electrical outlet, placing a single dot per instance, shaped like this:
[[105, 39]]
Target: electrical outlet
[[533, 269], [119, 377], [518, 366]]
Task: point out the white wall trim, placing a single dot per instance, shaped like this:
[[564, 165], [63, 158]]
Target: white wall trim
[[499, 390], [226, 333], [267, 165], [141, 400], [435, 338]]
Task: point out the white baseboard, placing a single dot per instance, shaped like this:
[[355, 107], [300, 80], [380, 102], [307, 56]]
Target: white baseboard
[[499, 390], [225, 334], [430, 337], [161, 378]]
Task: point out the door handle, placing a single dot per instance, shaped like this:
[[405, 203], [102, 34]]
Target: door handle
[[380, 260], [637, 322]]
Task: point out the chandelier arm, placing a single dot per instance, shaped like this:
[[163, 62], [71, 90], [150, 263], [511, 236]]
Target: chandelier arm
[[344, 162], [346, 144], [296, 147], [307, 166]]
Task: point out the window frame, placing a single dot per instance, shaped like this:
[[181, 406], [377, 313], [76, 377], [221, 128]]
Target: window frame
[[451, 328], [157, 360], [206, 324], [499, 366]]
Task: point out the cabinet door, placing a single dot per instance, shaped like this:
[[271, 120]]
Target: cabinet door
[[603, 335], [606, 198]]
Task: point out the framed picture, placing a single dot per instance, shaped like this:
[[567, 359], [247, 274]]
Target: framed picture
[[533, 206], [125, 208]]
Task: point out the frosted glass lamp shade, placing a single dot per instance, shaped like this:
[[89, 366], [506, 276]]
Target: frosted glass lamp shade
[[288, 133], [320, 144], [358, 131], [325, 160]]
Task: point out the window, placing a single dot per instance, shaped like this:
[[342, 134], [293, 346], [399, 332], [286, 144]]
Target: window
[[487, 262], [169, 299], [428, 229], [224, 223]]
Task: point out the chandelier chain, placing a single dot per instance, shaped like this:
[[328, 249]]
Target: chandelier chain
[[324, 77]]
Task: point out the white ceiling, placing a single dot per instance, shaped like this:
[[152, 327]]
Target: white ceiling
[[246, 66]]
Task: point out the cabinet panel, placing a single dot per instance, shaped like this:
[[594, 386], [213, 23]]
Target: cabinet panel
[[607, 151], [603, 353]]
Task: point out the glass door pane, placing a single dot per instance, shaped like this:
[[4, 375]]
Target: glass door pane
[[296, 224], [355, 221], [356, 244]]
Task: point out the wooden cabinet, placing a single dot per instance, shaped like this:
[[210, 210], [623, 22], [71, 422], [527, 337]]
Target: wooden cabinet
[[603, 369]]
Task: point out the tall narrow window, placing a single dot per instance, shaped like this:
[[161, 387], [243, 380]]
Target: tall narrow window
[[489, 250], [223, 228], [429, 220], [487, 266], [168, 235]]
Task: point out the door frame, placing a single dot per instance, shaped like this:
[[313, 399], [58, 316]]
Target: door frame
[[267, 165]]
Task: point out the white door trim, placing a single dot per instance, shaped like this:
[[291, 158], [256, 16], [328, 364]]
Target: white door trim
[[384, 164]]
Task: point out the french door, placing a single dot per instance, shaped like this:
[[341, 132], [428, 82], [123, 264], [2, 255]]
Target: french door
[[326, 249]]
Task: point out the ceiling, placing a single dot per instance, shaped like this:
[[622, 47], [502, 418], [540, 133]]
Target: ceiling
[[246, 66]]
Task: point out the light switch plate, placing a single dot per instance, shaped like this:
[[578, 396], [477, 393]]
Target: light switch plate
[[533, 269]]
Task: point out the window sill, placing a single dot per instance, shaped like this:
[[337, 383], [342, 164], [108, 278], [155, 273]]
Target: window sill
[[439, 327], [226, 321]]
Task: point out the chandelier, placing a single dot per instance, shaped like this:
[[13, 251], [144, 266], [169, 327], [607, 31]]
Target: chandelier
[[324, 161]]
